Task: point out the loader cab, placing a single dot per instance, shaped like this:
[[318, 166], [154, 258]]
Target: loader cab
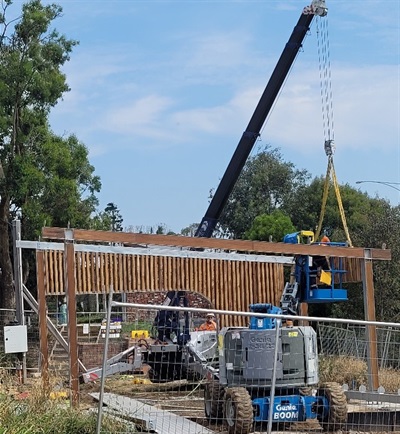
[[170, 325]]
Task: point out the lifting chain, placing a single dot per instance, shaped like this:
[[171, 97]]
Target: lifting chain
[[328, 125]]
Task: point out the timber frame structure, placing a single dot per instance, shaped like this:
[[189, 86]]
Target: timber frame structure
[[72, 265]]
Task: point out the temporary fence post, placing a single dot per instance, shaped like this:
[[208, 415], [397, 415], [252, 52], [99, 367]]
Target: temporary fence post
[[104, 365]]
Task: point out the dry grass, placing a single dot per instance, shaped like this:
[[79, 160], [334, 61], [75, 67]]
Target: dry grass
[[390, 380], [30, 408], [354, 372]]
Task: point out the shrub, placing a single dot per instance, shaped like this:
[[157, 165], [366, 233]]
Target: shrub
[[354, 372], [343, 370]]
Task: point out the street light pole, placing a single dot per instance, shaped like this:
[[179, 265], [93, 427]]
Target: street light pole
[[389, 184]]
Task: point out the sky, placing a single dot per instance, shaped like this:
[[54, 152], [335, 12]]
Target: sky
[[161, 92]]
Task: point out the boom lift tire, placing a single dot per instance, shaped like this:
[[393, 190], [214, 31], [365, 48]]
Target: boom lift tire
[[238, 410], [337, 415], [213, 401]]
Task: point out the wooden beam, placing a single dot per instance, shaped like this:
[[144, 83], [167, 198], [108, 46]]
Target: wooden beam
[[369, 312], [69, 281], [130, 238]]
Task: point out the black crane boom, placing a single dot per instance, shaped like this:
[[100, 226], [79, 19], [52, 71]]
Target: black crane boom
[[258, 118]]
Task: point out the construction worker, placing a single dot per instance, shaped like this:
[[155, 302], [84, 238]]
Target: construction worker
[[210, 323], [62, 316], [325, 239]]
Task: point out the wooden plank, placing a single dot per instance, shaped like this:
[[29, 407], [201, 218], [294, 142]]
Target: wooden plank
[[86, 272], [129, 274], [50, 267], [100, 288], [96, 273], [115, 280], [151, 273], [106, 283], [132, 272], [174, 274], [211, 289], [78, 269], [156, 420], [216, 243], [55, 254], [119, 273], [170, 284], [181, 272]]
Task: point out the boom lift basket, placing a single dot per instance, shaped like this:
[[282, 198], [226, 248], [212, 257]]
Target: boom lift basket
[[321, 278]]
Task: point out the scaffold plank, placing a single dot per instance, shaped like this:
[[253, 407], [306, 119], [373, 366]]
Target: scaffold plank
[[159, 421]]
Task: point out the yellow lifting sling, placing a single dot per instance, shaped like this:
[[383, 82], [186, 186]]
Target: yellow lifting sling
[[330, 174]]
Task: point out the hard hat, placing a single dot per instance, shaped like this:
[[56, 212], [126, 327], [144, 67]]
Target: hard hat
[[211, 315], [325, 239]]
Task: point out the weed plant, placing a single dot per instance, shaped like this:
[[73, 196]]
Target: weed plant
[[37, 411], [52, 416]]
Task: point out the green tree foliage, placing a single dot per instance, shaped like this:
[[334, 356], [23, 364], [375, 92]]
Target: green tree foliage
[[380, 229], [266, 183], [159, 229], [190, 230], [305, 209], [270, 227], [108, 220], [44, 179]]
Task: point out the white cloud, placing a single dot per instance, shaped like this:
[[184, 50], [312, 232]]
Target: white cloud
[[139, 114], [365, 110]]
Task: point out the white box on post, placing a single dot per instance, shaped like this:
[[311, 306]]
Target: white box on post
[[15, 339]]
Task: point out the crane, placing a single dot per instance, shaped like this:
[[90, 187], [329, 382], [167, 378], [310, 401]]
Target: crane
[[252, 132]]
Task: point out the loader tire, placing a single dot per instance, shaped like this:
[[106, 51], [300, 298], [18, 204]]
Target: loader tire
[[213, 401], [336, 416], [238, 410]]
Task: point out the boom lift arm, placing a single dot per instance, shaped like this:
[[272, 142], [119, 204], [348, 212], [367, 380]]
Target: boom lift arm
[[258, 118]]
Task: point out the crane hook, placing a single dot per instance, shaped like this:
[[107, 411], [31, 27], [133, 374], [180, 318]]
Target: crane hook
[[329, 147]]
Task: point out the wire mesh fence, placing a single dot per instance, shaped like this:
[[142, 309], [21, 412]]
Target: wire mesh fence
[[171, 374], [352, 341], [269, 375]]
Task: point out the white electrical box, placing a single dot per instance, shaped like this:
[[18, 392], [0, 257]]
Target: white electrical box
[[15, 339]]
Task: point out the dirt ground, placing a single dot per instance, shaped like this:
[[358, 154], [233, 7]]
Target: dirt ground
[[180, 397]]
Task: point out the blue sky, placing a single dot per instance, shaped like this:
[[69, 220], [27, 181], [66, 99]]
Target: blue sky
[[161, 92]]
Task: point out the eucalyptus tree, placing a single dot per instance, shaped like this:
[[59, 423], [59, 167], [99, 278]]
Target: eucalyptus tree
[[44, 179], [267, 183]]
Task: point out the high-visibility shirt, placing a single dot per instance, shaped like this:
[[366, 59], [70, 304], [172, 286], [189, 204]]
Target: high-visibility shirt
[[208, 326]]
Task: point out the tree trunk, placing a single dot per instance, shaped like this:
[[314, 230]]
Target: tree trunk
[[7, 292]]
